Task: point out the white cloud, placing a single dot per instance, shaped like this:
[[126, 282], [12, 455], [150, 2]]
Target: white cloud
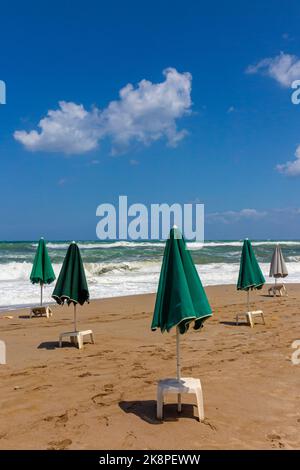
[[291, 168], [290, 211], [143, 114], [70, 129], [228, 217], [284, 68]]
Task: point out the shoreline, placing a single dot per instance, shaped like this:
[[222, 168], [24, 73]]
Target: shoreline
[[15, 308], [105, 394]]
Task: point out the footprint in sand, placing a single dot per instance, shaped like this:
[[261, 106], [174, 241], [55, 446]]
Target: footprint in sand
[[42, 387], [167, 357], [63, 418], [149, 382], [106, 397], [108, 387], [275, 440], [17, 374], [208, 423], [103, 419], [49, 418], [85, 374], [129, 439], [59, 445], [139, 376], [83, 428]]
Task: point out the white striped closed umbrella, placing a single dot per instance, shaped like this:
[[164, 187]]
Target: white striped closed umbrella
[[278, 267]]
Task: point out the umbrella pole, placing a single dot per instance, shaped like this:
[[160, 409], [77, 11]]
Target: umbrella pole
[[178, 352], [178, 366], [41, 294], [75, 322], [248, 307]]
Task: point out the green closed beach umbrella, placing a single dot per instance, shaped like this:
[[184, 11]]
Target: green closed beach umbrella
[[250, 275], [71, 285], [42, 271], [180, 298]]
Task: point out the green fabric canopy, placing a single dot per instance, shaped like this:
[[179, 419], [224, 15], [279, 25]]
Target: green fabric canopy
[[180, 296], [71, 285], [250, 275], [42, 271]]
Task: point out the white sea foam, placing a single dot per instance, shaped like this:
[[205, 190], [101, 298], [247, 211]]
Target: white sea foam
[[132, 268], [160, 244], [198, 245], [116, 279], [103, 245]]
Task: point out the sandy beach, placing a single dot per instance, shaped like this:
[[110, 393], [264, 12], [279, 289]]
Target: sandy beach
[[103, 397]]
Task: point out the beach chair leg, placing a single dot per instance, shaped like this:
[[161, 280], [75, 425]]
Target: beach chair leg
[[250, 319], [80, 341], [237, 320], [263, 318], [200, 405], [60, 341], [92, 338], [160, 403], [179, 405]]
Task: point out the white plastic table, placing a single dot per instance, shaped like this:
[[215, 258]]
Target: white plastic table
[[41, 311], [250, 317], [77, 337], [179, 386]]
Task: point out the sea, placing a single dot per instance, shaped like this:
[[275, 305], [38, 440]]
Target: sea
[[125, 267]]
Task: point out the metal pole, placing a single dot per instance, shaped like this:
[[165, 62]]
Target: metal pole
[[75, 323], [41, 294], [178, 352], [248, 301], [178, 366]]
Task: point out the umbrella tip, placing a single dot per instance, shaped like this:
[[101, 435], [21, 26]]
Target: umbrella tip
[[42, 238], [74, 242], [174, 226]]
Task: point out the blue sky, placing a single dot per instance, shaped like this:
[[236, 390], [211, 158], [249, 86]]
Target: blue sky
[[213, 131]]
